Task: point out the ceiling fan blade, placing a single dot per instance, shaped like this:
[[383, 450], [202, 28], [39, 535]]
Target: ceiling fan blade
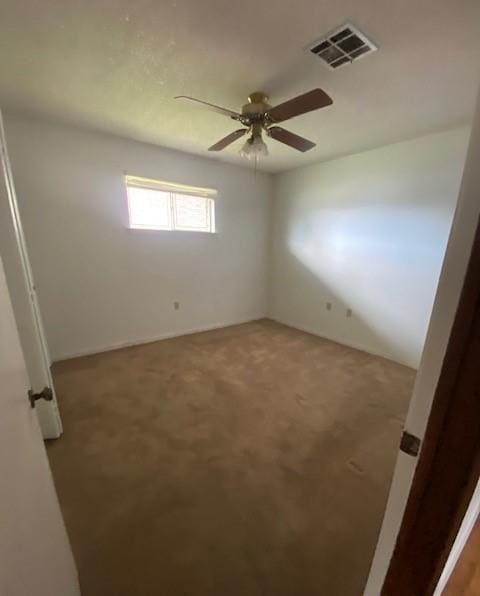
[[233, 136], [312, 100], [289, 138], [211, 106]]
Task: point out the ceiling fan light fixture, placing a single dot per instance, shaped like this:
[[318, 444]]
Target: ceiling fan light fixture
[[254, 148], [258, 117]]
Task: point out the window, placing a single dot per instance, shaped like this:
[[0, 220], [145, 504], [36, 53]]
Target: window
[[157, 205]]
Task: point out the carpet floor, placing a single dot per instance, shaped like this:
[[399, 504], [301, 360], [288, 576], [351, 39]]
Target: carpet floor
[[253, 460]]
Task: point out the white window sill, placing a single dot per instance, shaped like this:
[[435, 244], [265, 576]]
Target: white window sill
[[175, 232]]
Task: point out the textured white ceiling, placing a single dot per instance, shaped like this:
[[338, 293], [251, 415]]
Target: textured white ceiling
[[115, 65]]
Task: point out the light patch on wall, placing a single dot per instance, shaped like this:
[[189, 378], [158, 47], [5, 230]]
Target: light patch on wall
[[349, 250]]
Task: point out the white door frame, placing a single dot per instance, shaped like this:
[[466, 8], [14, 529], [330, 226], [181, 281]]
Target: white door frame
[[449, 289], [25, 304]]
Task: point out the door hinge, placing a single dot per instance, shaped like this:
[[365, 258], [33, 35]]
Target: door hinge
[[410, 444], [46, 393]]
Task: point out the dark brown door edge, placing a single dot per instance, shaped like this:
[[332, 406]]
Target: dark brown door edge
[[449, 463]]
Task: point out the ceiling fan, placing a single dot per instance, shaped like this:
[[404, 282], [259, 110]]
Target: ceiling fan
[[258, 116]]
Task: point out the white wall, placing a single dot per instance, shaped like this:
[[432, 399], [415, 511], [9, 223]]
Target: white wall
[[101, 284], [366, 232]]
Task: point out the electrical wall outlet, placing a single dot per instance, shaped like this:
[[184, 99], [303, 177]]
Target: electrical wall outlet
[[176, 305]]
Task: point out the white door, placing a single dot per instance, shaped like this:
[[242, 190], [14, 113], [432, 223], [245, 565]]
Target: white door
[[35, 555], [446, 301], [22, 289]]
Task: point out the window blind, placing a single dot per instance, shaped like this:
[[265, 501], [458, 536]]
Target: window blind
[[184, 189]]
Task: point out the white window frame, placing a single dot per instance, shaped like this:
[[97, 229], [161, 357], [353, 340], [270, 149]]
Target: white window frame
[[173, 189]]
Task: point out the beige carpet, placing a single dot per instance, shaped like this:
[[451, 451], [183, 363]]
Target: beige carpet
[[249, 461]]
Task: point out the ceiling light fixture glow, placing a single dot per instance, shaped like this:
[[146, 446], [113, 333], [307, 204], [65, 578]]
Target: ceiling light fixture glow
[[254, 147]]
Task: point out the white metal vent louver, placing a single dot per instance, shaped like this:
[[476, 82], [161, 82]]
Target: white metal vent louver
[[342, 46]]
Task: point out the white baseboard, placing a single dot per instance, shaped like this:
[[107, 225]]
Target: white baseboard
[[349, 343], [150, 339], [190, 331]]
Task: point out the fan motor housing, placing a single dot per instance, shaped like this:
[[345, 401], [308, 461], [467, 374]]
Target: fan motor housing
[[257, 105]]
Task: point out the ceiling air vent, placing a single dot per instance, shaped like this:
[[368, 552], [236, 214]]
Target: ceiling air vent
[[342, 46]]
